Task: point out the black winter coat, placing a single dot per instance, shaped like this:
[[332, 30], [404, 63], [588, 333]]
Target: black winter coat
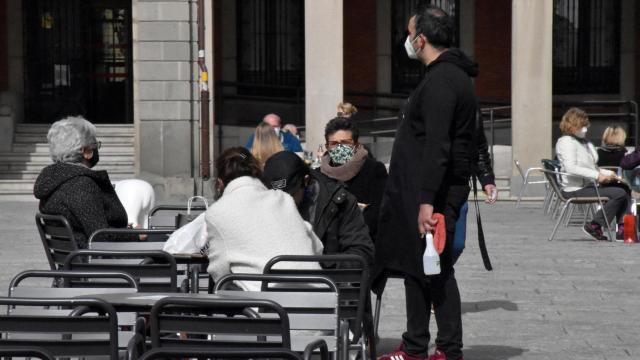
[[431, 162], [611, 155], [368, 186], [86, 198], [338, 221]]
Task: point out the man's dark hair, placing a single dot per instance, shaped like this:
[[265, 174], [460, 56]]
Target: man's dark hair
[[340, 123], [435, 24], [236, 162]]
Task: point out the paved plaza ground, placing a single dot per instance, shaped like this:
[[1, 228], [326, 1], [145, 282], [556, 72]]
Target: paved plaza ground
[[572, 298]]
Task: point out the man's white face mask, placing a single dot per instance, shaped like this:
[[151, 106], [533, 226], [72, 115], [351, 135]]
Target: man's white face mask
[[408, 45]]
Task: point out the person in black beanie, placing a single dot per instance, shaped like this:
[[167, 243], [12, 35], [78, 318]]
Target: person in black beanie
[[325, 203], [431, 163]]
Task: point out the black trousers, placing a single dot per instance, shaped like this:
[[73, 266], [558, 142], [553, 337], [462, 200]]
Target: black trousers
[[441, 291], [617, 206]]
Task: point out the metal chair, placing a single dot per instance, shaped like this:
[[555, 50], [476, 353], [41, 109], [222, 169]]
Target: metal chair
[[351, 274], [57, 238], [310, 301], [30, 352], [552, 178], [63, 327], [205, 353], [80, 283], [218, 323], [155, 271], [526, 181]]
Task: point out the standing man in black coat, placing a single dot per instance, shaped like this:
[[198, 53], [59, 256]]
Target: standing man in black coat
[[431, 164]]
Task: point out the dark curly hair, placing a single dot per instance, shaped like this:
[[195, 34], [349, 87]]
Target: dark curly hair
[[341, 123]]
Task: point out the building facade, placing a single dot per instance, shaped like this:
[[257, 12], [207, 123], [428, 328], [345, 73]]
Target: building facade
[[134, 62]]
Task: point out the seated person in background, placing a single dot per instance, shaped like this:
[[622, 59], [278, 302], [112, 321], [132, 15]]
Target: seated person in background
[[346, 160], [68, 187], [579, 157], [249, 224], [291, 129], [325, 203], [265, 143], [289, 142], [612, 150]]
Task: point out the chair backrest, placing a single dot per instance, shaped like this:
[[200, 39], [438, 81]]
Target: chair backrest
[[551, 169], [352, 282], [155, 241], [310, 301], [520, 171], [220, 323], [31, 352], [155, 271], [74, 283], [63, 327], [57, 238], [204, 353], [166, 216]]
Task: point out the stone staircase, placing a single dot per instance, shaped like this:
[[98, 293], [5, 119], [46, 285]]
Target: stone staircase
[[30, 153]]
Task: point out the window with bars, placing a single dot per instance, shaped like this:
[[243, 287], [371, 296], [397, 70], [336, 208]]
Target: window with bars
[[407, 73], [586, 46], [270, 45], [78, 60]]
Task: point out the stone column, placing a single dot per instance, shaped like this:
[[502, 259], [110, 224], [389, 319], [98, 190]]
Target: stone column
[[163, 92], [323, 66], [531, 79]]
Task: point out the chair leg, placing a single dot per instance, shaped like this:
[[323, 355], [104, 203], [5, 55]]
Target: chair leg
[[376, 315], [562, 212], [521, 193], [547, 198], [568, 217]]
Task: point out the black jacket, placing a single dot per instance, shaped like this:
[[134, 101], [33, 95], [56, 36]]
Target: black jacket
[[611, 155], [337, 220], [483, 169], [368, 186], [86, 198], [432, 160]]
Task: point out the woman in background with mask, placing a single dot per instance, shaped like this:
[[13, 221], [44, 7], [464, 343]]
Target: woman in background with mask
[[579, 157], [348, 161]]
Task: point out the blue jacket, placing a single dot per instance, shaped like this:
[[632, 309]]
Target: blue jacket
[[289, 142]]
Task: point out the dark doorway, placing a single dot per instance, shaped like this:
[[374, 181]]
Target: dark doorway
[[78, 60]]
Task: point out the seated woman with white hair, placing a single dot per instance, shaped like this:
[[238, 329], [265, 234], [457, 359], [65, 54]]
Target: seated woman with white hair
[[68, 187]]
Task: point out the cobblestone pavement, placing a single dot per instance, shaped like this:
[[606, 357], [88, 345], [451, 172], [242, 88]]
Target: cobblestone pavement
[[571, 298]]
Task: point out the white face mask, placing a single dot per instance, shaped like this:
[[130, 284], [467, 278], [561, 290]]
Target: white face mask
[[582, 133], [408, 45]]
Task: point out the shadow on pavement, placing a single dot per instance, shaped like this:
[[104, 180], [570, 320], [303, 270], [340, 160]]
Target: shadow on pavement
[[492, 352], [479, 306]]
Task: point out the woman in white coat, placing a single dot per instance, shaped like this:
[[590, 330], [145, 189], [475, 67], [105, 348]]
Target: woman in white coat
[[250, 224], [579, 157]]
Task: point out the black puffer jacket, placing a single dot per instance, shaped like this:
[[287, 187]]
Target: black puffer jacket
[[86, 198], [337, 220]]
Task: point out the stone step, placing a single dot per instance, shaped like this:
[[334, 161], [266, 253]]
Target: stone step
[[43, 147], [114, 174], [101, 129], [43, 157], [37, 166], [42, 138]]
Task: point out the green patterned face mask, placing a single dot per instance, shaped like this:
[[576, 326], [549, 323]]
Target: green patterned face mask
[[341, 154]]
